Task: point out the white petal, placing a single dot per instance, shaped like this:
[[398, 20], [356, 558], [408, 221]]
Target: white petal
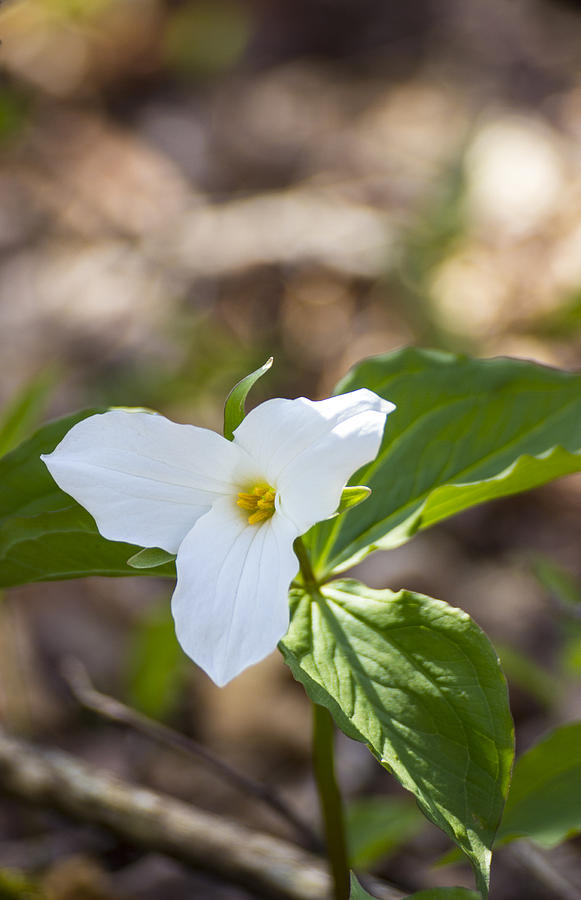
[[144, 479], [308, 450], [231, 600]]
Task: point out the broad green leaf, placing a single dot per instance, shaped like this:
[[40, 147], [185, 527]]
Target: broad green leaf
[[464, 431], [150, 558], [234, 410], [44, 534], [420, 683], [525, 473], [378, 825], [544, 802]]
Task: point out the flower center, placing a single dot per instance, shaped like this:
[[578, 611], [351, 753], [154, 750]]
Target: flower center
[[259, 502]]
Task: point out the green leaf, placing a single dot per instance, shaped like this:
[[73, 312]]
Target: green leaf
[[16, 885], [378, 825], [150, 558], [24, 411], [571, 654], [464, 431], [445, 893], [544, 798], [526, 674], [357, 892], [156, 664], [564, 591], [420, 683], [234, 411], [557, 581], [442, 893], [44, 534]]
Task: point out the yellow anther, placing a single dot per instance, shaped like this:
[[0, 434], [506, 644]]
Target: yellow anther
[[246, 501], [259, 516], [259, 503]]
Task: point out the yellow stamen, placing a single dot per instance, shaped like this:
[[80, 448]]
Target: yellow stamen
[[259, 503]]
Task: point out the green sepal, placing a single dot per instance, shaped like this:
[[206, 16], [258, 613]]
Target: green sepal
[[150, 558], [234, 407], [352, 496]]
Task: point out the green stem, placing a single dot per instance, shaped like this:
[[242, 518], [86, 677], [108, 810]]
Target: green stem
[[330, 800], [305, 564], [324, 766]]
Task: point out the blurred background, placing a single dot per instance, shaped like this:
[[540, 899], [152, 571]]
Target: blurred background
[[190, 186]]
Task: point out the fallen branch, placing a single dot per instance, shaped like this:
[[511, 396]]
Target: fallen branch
[[78, 680], [143, 817], [542, 869]]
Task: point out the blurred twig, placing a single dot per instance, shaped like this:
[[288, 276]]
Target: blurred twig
[[270, 866], [538, 865], [78, 680]]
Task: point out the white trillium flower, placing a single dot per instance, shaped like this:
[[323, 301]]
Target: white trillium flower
[[230, 510]]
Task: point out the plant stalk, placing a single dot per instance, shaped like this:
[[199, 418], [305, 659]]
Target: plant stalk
[[330, 800], [307, 573]]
